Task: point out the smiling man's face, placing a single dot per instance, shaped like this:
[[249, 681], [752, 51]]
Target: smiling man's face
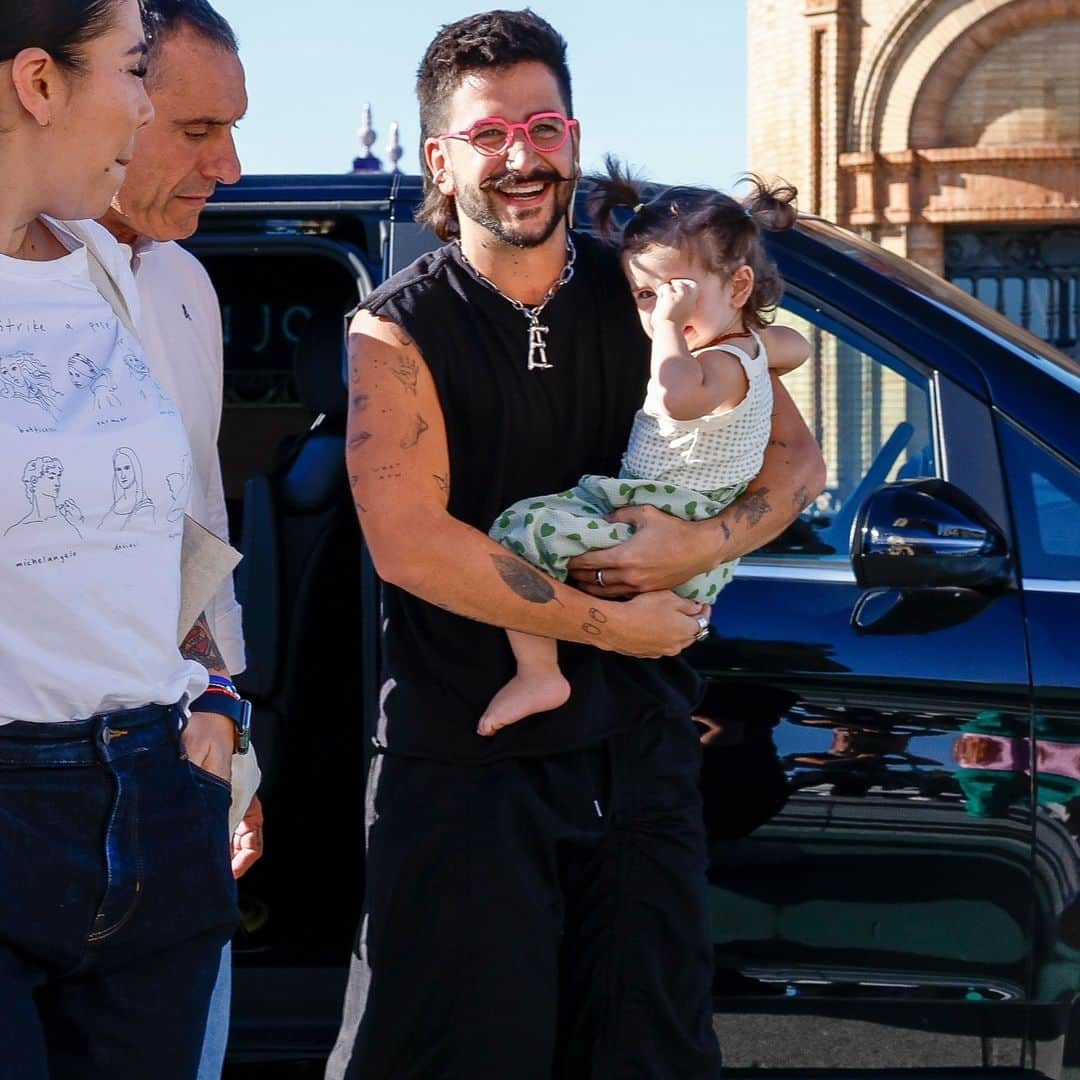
[[197, 88], [521, 195]]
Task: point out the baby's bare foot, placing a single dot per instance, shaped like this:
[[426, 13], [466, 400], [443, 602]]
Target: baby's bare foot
[[522, 696]]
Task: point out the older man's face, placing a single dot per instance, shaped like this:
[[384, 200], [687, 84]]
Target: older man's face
[[197, 89]]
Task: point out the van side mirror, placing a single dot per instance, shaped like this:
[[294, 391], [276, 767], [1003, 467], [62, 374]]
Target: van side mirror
[[924, 534]]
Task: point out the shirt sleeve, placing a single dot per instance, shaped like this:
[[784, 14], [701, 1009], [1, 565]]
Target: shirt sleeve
[[224, 613]]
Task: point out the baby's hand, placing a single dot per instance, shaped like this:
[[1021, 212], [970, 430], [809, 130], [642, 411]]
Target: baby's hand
[[675, 300]]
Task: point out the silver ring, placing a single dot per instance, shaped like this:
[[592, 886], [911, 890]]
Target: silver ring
[[703, 628], [600, 578]]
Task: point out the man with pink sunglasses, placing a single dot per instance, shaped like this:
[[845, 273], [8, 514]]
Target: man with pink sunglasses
[[536, 902]]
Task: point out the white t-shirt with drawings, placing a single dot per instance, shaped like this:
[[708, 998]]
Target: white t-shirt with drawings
[[91, 513]]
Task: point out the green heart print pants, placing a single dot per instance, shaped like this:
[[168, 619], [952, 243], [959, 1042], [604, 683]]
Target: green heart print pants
[[549, 530]]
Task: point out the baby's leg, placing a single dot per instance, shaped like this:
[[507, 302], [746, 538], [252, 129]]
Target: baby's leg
[[538, 686]]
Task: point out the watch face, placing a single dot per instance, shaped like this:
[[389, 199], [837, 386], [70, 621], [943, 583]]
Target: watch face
[[243, 727]]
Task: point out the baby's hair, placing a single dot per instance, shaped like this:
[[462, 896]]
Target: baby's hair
[[724, 232]]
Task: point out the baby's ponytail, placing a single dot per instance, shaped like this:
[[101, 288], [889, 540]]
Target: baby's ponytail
[[772, 206], [611, 191]]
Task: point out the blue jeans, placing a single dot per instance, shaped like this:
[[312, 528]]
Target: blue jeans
[[116, 898], [216, 1038]]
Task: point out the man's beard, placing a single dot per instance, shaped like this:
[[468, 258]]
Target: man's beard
[[477, 205]]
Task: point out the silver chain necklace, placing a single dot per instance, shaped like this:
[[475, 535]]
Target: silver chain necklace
[[537, 330]]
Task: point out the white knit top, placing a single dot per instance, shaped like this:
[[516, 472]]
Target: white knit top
[[710, 452]]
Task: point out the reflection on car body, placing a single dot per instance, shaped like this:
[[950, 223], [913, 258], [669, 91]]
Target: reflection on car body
[[893, 699]]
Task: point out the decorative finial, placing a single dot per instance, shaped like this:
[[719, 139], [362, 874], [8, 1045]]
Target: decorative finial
[[393, 149], [366, 161]]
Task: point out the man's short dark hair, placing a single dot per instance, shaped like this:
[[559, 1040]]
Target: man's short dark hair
[[491, 39], [163, 18]]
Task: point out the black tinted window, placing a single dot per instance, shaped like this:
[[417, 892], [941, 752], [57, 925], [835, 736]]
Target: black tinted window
[[1045, 493]]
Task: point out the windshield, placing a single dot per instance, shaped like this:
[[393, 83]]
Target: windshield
[[945, 295]]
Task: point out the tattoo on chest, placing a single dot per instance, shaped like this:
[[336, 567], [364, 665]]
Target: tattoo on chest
[[523, 580], [753, 506], [419, 426]]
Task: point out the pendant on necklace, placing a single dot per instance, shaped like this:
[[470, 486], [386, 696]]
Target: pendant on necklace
[[537, 345]]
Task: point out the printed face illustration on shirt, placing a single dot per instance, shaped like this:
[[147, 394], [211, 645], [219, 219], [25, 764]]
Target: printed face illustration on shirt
[[129, 494], [41, 482], [84, 372], [24, 377]]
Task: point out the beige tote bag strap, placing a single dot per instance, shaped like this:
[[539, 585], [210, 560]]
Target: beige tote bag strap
[[107, 286]]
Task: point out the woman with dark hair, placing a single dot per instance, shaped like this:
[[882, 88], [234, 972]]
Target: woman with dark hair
[[116, 894]]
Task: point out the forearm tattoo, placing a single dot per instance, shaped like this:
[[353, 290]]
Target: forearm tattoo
[[199, 645], [357, 440], [598, 619], [753, 505], [801, 499], [443, 481], [524, 581]]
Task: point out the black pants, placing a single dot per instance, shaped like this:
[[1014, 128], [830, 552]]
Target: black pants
[[116, 897], [535, 918]]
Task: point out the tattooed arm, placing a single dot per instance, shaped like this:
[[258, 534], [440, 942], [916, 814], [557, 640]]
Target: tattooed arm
[[399, 470], [665, 550], [208, 737]]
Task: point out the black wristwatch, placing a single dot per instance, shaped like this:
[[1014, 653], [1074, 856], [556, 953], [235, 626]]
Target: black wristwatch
[[236, 708]]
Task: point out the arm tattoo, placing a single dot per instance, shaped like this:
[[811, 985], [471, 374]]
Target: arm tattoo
[[591, 628], [443, 482], [419, 426], [523, 580], [199, 645], [726, 531], [358, 440], [801, 499], [752, 505], [406, 371], [388, 472], [401, 336], [359, 402]]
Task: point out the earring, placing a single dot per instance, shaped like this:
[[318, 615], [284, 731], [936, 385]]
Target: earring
[[438, 176]]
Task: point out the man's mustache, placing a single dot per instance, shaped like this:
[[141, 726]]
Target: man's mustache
[[512, 179]]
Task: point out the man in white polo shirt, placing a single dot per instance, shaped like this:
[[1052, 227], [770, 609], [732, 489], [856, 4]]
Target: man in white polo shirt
[[196, 83]]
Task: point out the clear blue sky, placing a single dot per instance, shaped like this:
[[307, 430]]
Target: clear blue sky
[[662, 84]]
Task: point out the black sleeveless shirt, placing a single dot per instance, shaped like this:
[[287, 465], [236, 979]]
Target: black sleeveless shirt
[[512, 433]]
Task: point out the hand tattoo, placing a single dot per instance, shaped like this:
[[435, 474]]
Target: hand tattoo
[[406, 371]]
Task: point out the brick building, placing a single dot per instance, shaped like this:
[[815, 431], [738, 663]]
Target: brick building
[[946, 130]]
